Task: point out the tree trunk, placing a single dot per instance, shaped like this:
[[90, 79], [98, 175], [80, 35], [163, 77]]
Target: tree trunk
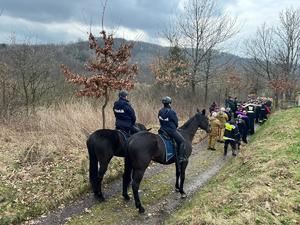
[[3, 98], [206, 90], [226, 92], [193, 81], [193, 84], [106, 99], [276, 100], [26, 93], [220, 92]]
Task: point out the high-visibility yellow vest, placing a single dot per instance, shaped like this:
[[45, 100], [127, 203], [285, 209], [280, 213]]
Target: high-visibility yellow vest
[[228, 127]]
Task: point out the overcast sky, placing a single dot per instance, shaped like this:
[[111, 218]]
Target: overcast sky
[[56, 21]]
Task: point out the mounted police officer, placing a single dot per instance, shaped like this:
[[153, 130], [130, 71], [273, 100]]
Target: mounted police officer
[[124, 113], [169, 122]]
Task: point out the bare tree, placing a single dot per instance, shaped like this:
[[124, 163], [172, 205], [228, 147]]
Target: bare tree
[[212, 66], [288, 45], [30, 66], [9, 93], [275, 52], [200, 29]]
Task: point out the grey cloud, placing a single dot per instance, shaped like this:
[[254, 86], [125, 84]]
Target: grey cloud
[[148, 15]]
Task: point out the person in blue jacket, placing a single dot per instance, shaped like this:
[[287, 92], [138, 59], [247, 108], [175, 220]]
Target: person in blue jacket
[[125, 115], [169, 122]]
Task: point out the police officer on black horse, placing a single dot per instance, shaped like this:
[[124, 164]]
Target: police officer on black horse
[[168, 123], [125, 115]]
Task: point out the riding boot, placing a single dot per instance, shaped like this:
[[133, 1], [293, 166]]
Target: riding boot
[[182, 153]]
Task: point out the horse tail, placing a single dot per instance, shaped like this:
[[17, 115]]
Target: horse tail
[[93, 167], [85, 132]]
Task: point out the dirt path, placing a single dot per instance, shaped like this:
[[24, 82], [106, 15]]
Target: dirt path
[[156, 192], [157, 213]]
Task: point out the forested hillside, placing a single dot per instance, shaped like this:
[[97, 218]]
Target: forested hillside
[[77, 53]]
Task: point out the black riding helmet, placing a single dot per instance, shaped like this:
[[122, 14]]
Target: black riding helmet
[[123, 94], [166, 100]]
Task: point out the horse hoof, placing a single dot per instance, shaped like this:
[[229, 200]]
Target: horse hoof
[[99, 198], [126, 197], [141, 210], [183, 195]]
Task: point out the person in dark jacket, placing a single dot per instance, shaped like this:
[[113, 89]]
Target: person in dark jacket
[[231, 136], [235, 103], [212, 108], [257, 113], [125, 115], [169, 122], [251, 115], [263, 114], [243, 128], [229, 103]]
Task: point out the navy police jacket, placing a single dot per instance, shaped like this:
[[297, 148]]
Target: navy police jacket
[[124, 113], [168, 119]]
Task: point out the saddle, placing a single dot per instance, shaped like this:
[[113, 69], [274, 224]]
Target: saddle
[[124, 134], [165, 135]]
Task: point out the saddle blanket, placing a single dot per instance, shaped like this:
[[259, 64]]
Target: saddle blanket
[[169, 147]]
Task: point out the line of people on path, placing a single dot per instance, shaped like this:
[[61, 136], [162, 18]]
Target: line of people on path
[[233, 124]]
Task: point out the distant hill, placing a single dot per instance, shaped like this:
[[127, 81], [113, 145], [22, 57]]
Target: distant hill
[[76, 54], [142, 54]]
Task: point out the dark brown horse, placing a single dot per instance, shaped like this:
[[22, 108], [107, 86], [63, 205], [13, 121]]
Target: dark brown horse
[[145, 146], [102, 145]]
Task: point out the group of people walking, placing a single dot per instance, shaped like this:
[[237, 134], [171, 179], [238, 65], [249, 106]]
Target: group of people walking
[[233, 123]]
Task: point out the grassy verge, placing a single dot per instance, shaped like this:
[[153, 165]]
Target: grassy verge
[[260, 186]]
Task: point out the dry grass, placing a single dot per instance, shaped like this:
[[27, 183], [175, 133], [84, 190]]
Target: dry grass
[[44, 161], [261, 186]]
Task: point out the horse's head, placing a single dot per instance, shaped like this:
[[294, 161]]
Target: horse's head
[[203, 121]]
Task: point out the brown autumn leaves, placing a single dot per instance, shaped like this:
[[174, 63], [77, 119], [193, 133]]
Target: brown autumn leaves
[[110, 69]]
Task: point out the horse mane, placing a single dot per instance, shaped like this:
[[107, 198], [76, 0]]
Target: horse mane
[[187, 123]]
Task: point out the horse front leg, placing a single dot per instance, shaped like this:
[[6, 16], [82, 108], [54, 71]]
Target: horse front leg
[[137, 178], [182, 178], [126, 178], [177, 177]]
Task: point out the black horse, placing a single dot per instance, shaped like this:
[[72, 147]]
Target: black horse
[[102, 145], [145, 146]]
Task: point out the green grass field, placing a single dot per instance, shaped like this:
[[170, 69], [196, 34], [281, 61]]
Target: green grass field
[[260, 186]]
